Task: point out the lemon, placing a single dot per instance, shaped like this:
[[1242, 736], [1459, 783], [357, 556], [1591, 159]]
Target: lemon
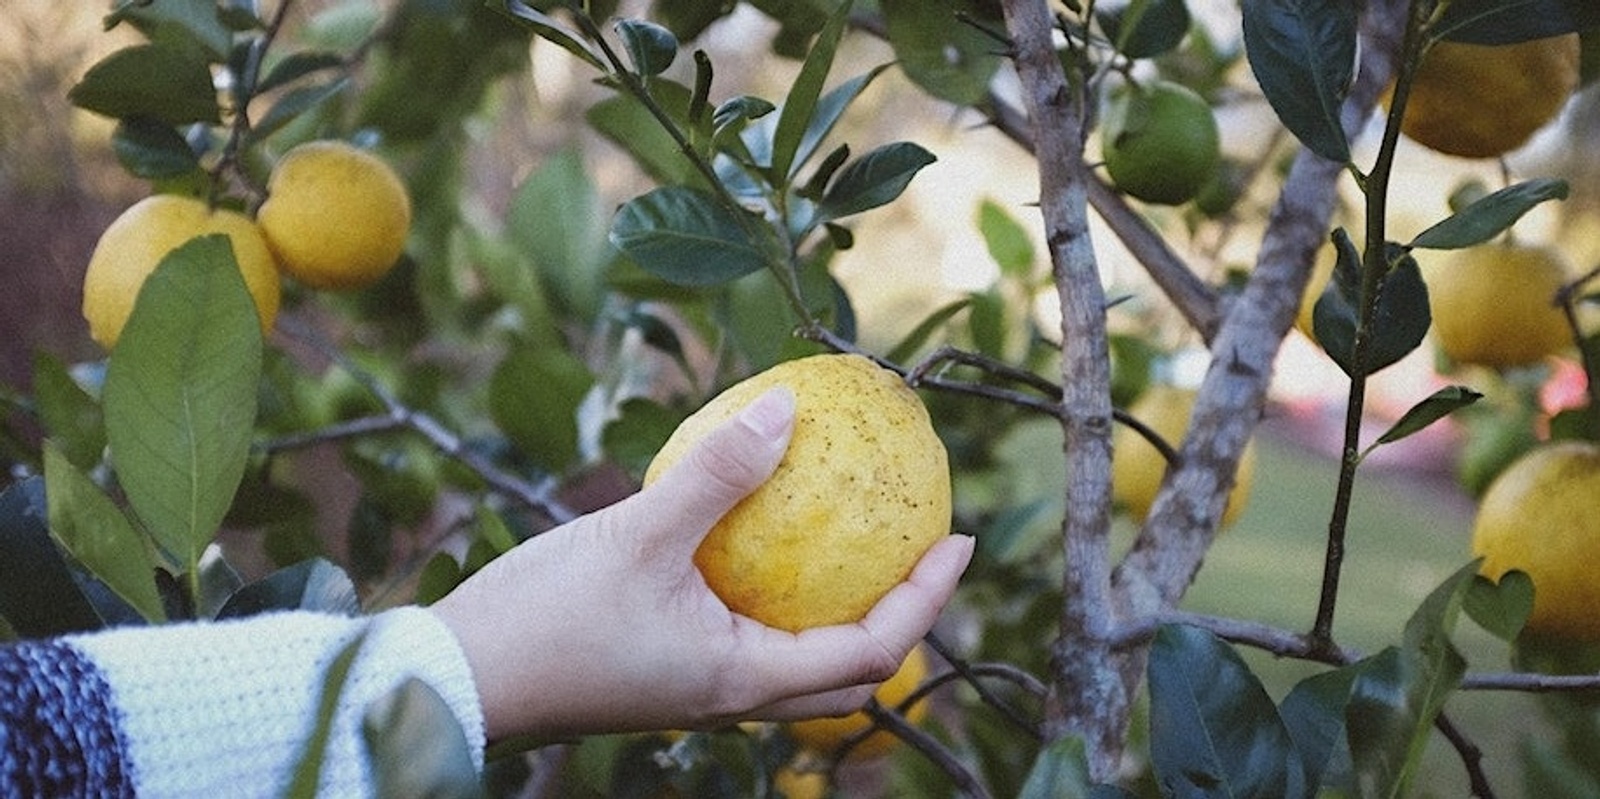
[[1137, 467], [133, 245], [1160, 142], [336, 216], [824, 735], [1538, 517], [1480, 101], [861, 494], [1321, 273], [1494, 305], [795, 783]]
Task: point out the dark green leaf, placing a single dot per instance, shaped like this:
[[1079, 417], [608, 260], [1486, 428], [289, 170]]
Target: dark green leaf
[[71, 417], [315, 585], [687, 237], [556, 220], [687, 19], [546, 27], [945, 56], [298, 65], [1489, 216], [641, 427], [1313, 712], [734, 112], [1511, 21], [440, 575], [292, 105], [873, 179], [196, 21], [986, 322], [1399, 322], [1438, 405], [1145, 28], [534, 396], [925, 329], [800, 107], [1303, 55], [1007, 241], [1549, 771], [1060, 769], [628, 124], [1213, 729], [651, 47], [180, 395], [96, 534], [1500, 608], [417, 746], [164, 82], [38, 595], [828, 112], [152, 150], [308, 767]]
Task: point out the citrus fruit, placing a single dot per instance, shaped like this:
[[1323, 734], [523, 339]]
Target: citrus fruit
[[133, 245], [824, 735], [1538, 517], [336, 216], [1160, 142], [1494, 304], [1321, 273], [1137, 466], [862, 492], [794, 783], [1480, 101]]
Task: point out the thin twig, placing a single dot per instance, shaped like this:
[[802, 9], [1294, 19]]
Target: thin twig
[[966, 783], [971, 673]]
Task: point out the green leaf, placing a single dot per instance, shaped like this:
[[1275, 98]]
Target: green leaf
[[631, 126], [556, 220], [1500, 608], [161, 81], [196, 21], [1145, 28], [295, 66], [687, 237], [1303, 55], [1007, 240], [98, 536], [440, 575], [71, 417], [1399, 322], [417, 746], [1060, 769], [314, 584], [152, 150], [39, 596], [986, 322], [534, 396], [687, 19], [291, 105], [546, 27], [731, 114], [180, 395], [637, 433], [1489, 216], [1511, 21], [651, 47], [1213, 729], [800, 106], [873, 179], [308, 768], [925, 329], [1314, 714], [1438, 405], [940, 52], [829, 110]]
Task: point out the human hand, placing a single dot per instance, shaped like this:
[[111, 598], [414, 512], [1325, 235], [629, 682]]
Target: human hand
[[605, 625]]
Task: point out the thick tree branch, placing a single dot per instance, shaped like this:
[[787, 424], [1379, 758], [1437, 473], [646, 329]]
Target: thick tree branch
[[1087, 697]]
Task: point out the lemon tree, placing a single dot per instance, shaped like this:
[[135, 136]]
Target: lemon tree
[[134, 244], [862, 492], [336, 216], [1495, 305], [1480, 100]]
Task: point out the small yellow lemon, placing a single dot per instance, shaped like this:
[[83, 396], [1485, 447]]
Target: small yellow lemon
[[1480, 101], [861, 494], [1494, 305], [1137, 467], [1321, 273], [136, 241], [1538, 517], [824, 735], [336, 216], [794, 783]]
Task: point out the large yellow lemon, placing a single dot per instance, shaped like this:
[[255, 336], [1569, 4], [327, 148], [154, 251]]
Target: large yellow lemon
[[136, 241], [1494, 304], [1479, 101], [1538, 517], [1137, 467], [861, 494], [336, 216], [824, 735]]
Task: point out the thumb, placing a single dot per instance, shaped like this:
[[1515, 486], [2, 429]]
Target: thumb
[[724, 467]]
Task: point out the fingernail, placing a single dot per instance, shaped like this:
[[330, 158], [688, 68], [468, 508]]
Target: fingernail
[[772, 413]]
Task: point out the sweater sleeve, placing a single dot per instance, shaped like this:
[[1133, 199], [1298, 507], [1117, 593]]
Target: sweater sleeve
[[214, 709]]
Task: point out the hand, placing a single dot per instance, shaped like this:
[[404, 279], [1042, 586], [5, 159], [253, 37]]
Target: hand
[[605, 625]]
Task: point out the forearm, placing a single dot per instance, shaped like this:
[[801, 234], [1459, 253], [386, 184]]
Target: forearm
[[212, 708]]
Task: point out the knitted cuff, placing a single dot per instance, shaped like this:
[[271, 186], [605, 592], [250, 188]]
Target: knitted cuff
[[227, 708]]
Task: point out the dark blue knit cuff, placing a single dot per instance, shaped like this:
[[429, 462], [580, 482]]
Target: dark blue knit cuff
[[58, 727]]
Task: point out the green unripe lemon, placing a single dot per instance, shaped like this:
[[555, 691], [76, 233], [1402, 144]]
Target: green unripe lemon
[[1160, 142]]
